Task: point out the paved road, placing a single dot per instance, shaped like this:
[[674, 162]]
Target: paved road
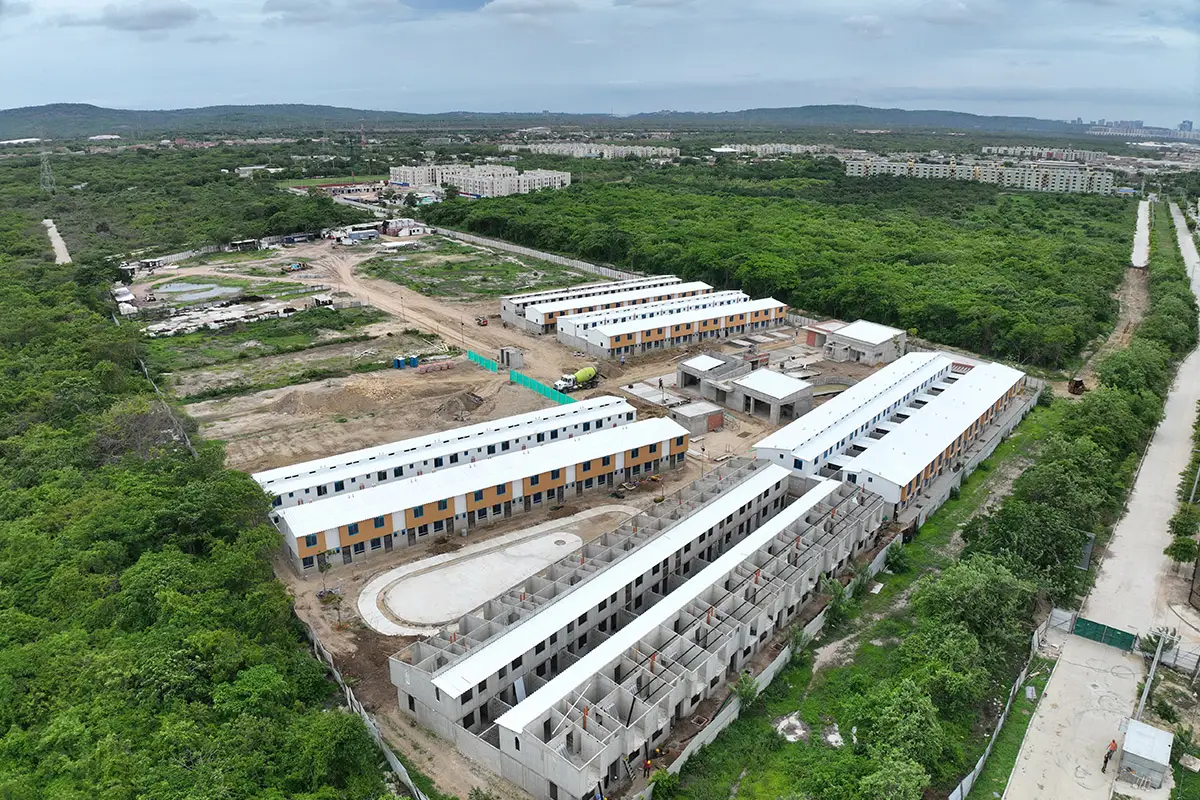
[[61, 256], [1187, 242], [1095, 686]]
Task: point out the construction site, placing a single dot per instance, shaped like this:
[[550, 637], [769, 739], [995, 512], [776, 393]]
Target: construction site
[[559, 557]]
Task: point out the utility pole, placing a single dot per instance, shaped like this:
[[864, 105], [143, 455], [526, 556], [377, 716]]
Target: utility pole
[[47, 179]]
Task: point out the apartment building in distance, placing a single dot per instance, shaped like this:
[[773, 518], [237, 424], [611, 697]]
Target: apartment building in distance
[[592, 150], [566, 682], [773, 149], [1038, 177], [512, 308], [1048, 153], [543, 316], [613, 340], [458, 499], [489, 180], [332, 476]]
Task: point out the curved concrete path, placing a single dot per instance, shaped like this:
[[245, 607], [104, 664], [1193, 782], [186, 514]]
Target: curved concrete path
[[528, 552]]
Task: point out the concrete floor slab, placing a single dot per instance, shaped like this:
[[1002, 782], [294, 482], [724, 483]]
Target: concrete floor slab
[[450, 590], [1093, 689]]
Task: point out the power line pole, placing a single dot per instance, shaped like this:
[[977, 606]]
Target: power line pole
[[47, 179]]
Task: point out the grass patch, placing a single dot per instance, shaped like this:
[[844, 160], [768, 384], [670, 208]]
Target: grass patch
[[995, 775], [305, 376], [263, 338], [453, 269]]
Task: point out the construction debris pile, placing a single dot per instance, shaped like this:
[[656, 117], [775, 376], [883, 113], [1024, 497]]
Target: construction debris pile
[[217, 317]]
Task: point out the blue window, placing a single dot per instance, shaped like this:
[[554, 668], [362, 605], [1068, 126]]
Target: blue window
[[339, 486], [311, 540], [553, 435], [418, 512], [397, 472], [554, 473], [478, 495], [352, 529], [634, 452], [307, 561], [653, 448], [587, 466], [437, 462], [501, 489], [679, 441], [278, 501], [533, 481], [491, 450], [443, 505], [606, 460], [379, 522]]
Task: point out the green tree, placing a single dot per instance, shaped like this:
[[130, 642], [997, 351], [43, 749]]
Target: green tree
[[1182, 550], [896, 779]]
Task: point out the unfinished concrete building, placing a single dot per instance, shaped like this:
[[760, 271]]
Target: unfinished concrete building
[[562, 681], [740, 382]]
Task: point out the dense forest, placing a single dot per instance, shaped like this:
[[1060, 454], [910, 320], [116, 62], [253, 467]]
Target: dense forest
[[146, 649], [165, 201], [1027, 277]]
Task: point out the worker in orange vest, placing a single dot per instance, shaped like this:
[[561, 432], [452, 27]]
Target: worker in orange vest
[[1112, 748]]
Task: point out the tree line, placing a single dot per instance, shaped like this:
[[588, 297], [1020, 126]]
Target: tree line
[[146, 649]]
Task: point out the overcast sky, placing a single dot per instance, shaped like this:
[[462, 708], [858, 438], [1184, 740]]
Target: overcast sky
[[1132, 59]]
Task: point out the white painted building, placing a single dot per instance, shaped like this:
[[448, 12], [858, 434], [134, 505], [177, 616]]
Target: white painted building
[[592, 150], [1038, 177], [488, 180], [577, 330], [1048, 153], [332, 476], [460, 498], [543, 317], [512, 308], [866, 343]]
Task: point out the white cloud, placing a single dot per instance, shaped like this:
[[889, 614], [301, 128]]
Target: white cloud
[[140, 17]]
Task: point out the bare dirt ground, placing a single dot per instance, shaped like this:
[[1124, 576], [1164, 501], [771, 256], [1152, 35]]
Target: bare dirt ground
[[1134, 300], [296, 423]]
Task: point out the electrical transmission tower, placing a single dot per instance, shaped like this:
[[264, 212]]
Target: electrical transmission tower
[[47, 174]]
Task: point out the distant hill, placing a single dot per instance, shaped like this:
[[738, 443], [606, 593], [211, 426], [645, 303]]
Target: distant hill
[[74, 120]]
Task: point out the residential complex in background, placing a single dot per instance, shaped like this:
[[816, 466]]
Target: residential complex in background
[[1038, 177], [1047, 153], [489, 180], [592, 150]]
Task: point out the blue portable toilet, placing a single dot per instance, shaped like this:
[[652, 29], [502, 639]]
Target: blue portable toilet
[[412, 361], [397, 364]]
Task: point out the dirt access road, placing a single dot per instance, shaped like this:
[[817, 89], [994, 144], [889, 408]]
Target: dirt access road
[[61, 256], [1094, 686], [545, 358]]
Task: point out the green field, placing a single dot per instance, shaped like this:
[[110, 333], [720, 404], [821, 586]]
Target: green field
[[453, 269], [319, 326]]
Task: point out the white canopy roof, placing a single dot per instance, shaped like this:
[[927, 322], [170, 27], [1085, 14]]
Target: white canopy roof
[[772, 384]]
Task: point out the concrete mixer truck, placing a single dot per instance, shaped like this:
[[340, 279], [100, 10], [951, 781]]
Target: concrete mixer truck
[[585, 378]]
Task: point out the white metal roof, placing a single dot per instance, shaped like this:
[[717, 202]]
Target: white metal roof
[[1148, 742], [394, 496], [640, 293], [588, 289], [868, 332], [830, 422], [453, 441], [583, 670], [695, 315], [915, 443], [658, 309], [485, 661], [703, 363], [772, 384], [370, 458]]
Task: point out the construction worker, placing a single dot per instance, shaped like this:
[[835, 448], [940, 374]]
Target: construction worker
[[646, 768], [1108, 754]]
